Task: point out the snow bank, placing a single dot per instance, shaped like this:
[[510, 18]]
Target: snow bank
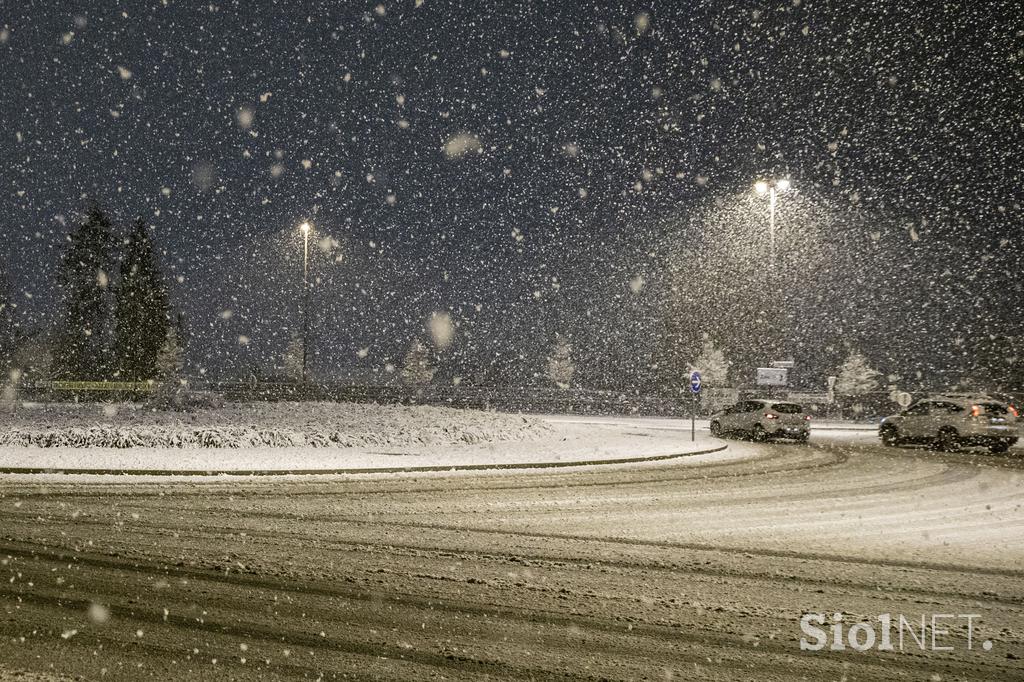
[[263, 425]]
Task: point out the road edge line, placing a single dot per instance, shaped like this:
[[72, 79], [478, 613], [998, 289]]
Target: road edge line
[[494, 466]]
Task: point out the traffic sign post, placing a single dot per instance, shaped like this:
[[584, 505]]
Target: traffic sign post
[[695, 384]]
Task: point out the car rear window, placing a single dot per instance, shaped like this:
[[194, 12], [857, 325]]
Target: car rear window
[[994, 409], [787, 408]]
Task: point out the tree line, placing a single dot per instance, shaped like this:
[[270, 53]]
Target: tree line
[[116, 322]]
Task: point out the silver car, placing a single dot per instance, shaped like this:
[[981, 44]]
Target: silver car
[[953, 421], [763, 419]]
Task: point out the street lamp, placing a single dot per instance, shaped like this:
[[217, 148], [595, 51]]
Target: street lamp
[[772, 188], [305, 228]]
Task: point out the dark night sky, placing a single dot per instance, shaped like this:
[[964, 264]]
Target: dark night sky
[[616, 141]]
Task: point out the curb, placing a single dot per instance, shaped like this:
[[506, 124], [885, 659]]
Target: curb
[[366, 470]]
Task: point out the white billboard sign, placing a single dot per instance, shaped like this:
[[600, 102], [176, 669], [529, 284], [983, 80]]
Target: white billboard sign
[[771, 376]]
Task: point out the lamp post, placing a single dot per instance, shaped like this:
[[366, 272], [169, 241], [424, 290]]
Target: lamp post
[[772, 188], [305, 227]]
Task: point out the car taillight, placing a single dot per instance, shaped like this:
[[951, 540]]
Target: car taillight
[[769, 415], [1012, 410], [808, 417], [975, 410]]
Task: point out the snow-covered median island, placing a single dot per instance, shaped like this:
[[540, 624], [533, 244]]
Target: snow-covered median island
[[260, 425], [306, 438]]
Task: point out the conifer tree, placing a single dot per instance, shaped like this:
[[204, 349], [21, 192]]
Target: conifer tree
[[418, 369], [856, 376], [172, 388], [560, 368], [84, 343], [142, 308], [293, 358], [6, 324], [712, 365]]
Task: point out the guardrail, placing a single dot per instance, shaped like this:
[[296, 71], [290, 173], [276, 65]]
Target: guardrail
[[117, 386], [506, 399], [503, 398]]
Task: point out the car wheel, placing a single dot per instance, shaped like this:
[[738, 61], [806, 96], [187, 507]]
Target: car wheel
[[758, 433], [716, 429], [998, 448], [803, 438], [947, 440], [890, 436]]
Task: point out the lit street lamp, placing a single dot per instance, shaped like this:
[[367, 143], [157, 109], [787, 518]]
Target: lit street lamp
[[305, 227], [772, 188]]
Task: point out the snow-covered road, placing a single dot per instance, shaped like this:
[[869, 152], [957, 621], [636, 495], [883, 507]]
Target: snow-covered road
[[660, 571]]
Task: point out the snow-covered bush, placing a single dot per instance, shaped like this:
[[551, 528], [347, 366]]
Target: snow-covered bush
[[274, 425]]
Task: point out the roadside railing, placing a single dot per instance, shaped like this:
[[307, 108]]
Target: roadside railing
[[863, 407]]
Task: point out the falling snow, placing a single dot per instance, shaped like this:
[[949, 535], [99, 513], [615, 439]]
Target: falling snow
[[553, 206]]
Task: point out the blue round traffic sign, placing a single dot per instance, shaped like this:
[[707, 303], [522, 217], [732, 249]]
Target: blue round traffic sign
[[695, 382]]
